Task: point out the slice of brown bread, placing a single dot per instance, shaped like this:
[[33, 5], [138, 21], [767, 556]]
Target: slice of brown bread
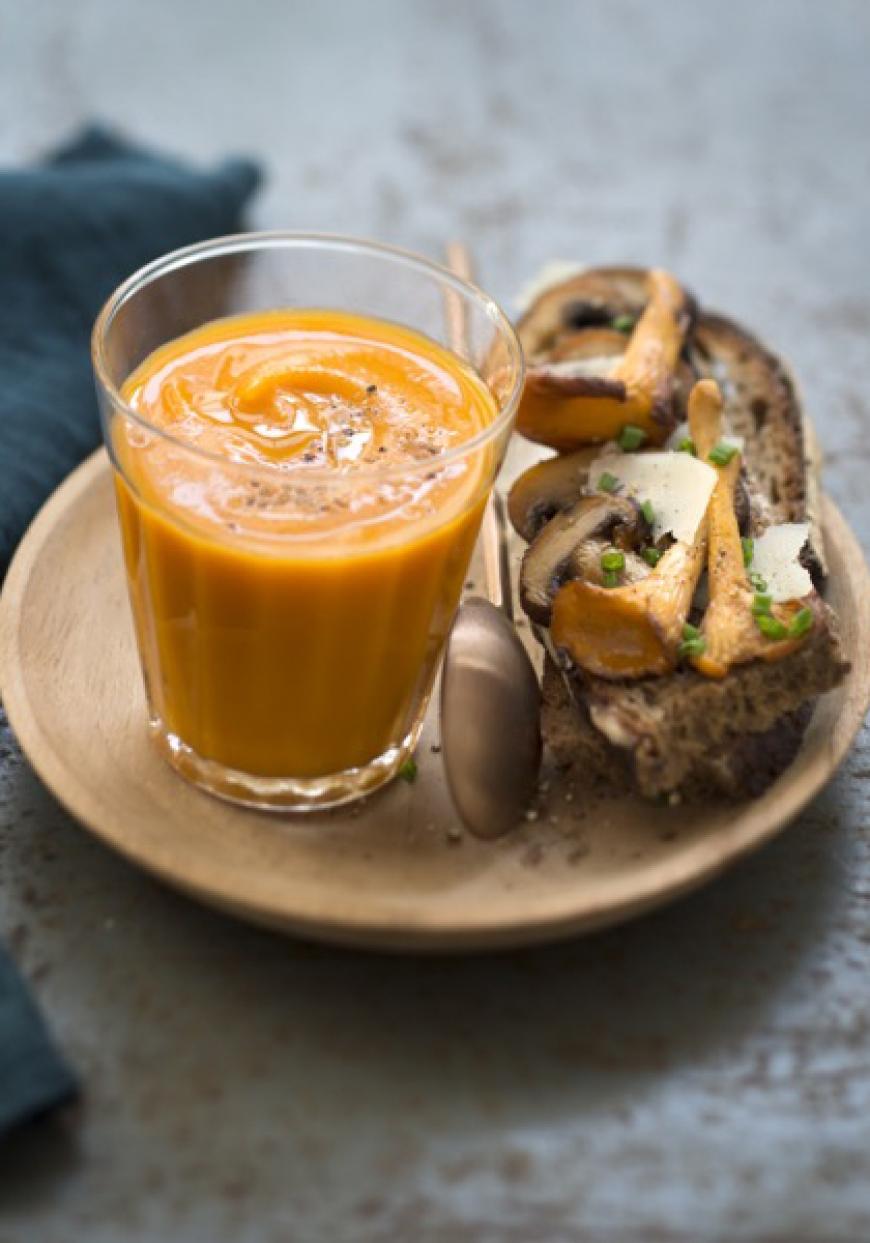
[[685, 733]]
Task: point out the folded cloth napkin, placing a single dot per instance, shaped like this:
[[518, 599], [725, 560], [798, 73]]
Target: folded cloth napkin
[[33, 1076], [70, 230]]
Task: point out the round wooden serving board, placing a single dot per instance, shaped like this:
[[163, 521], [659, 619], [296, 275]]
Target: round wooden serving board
[[397, 873]]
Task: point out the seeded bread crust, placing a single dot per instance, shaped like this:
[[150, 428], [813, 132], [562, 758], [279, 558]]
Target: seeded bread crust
[[684, 733]]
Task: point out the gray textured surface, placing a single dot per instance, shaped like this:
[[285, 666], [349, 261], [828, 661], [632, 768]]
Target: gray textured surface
[[701, 1075]]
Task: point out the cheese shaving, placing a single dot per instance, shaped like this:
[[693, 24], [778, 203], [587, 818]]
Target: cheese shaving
[[677, 486], [775, 557], [571, 368]]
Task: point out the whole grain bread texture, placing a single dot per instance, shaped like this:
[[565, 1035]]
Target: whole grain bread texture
[[688, 733]]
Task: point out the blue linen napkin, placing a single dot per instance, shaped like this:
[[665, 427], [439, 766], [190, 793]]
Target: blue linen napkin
[[33, 1076], [71, 229]]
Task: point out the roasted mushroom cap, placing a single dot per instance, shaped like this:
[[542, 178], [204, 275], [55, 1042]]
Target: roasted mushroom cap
[[548, 559], [595, 297], [577, 400], [546, 489], [602, 346]]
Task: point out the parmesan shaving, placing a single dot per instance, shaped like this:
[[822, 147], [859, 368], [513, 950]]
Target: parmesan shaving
[[775, 557], [570, 368], [677, 486]]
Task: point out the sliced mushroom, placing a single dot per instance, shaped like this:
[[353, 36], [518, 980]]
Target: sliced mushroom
[[546, 489], [567, 403], [593, 297], [587, 345], [635, 631], [729, 628], [547, 560]]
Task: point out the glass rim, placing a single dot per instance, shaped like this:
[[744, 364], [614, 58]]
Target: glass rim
[[236, 243]]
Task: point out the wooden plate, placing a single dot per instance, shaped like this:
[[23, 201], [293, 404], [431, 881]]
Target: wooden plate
[[397, 873]]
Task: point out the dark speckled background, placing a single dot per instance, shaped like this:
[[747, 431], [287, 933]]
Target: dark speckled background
[[701, 1075]]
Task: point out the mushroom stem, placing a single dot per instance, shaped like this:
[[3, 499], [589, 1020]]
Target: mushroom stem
[[566, 409], [731, 635]]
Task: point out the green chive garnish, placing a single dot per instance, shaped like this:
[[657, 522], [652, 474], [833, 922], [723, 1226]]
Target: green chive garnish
[[646, 508], [651, 556], [408, 771], [722, 453], [607, 482], [623, 323], [801, 624], [770, 627], [693, 647], [613, 560], [690, 631], [687, 445], [748, 546], [611, 578], [761, 604], [630, 438], [757, 582]]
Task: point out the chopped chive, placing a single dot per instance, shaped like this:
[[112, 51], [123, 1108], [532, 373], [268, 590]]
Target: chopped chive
[[722, 453], [630, 438], [690, 631], [613, 559], [651, 556], [761, 604], [646, 508], [687, 445], [770, 627], [693, 647], [757, 582], [408, 770], [801, 624], [623, 323], [611, 578], [607, 482], [748, 546]]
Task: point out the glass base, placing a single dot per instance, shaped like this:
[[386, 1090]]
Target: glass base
[[281, 793]]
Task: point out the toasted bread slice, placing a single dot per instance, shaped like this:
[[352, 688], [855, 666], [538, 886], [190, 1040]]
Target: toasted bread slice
[[683, 733]]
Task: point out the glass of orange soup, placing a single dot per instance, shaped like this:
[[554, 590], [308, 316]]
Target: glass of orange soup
[[304, 431]]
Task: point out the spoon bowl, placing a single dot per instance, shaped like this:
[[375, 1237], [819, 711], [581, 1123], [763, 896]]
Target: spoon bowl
[[490, 707]]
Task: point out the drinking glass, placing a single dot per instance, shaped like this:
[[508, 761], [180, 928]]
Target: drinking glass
[[288, 664]]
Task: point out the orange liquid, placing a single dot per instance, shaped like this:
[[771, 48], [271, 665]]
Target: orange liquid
[[290, 619]]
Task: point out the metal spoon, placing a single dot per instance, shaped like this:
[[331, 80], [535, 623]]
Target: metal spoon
[[490, 700]]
